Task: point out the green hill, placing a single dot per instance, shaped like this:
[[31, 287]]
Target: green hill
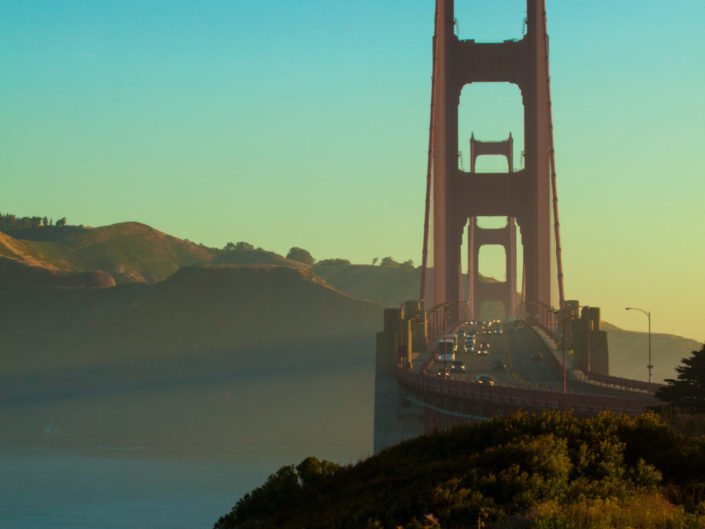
[[551, 471], [129, 251]]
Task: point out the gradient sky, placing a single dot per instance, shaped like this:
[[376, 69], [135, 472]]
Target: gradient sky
[[306, 123]]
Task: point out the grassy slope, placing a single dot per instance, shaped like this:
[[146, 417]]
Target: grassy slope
[[129, 251], [20, 252], [13, 272]]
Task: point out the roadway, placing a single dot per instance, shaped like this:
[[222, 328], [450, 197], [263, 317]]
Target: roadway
[[520, 348]]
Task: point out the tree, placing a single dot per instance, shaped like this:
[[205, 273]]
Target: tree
[[61, 221], [374, 261], [388, 261], [312, 469], [239, 247], [408, 265], [687, 391], [300, 255]]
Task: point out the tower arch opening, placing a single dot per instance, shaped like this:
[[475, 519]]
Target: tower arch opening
[[486, 22], [490, 112]]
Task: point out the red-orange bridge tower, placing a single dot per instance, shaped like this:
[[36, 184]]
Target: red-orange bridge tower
[[455, 197]]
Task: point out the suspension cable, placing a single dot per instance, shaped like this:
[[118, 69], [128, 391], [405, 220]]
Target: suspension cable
[[554, 187], [429, 166]]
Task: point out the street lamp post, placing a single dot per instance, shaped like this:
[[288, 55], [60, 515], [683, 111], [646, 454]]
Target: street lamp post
[[648, 315]]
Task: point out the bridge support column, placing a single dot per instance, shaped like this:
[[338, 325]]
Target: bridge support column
[[588, 342], [395, 418]]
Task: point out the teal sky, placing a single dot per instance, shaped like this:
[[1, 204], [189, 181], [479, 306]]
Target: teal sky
[[305, 123]]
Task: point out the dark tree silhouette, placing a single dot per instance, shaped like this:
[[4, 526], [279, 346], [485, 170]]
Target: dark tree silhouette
[[687, 391], [300, 255]]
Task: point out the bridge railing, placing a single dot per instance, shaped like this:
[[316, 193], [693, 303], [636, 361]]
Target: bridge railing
[[445, 317], [582, 404], [543, 316], [624, 382]]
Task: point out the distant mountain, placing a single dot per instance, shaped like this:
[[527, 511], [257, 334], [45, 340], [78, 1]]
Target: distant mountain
[[243, 317], [212, 358], [629, 353], [387, 285]]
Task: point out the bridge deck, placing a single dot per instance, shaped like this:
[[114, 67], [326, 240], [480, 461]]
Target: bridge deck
[[532, 380]]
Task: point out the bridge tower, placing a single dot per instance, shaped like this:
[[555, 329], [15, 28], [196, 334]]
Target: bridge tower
[[479, 292], [454, 196]]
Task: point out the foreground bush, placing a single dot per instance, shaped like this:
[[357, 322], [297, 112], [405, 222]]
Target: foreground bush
[[552, 471]]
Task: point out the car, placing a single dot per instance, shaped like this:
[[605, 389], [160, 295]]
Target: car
[[443, 372], [457, 367], [537, 357], [500, 365], [485, 379]]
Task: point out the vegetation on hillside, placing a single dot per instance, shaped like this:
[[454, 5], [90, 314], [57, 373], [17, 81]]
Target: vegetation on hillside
[[547, 471], [300, 255], [10, 223], [244, 253]]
